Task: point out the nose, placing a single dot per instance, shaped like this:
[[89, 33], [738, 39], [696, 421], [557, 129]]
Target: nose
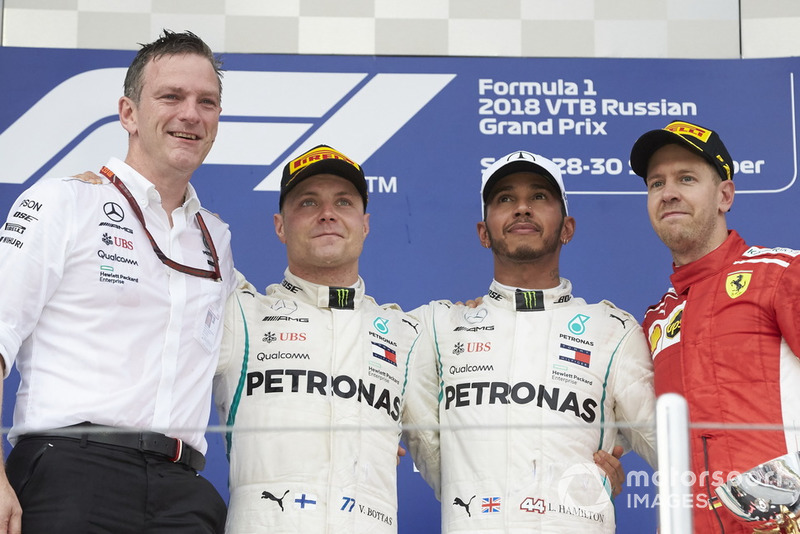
[[669, 192], [189, 111], [327, 212], [523, 207]]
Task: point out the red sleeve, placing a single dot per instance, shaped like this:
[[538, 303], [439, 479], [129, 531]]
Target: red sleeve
[[787, 305]]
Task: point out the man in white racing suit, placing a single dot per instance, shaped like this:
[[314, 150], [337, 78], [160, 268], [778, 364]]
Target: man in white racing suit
[[314, 376], [533, 380]]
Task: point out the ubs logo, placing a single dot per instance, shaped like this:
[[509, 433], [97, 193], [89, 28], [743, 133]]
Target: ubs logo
[[292, 336], [269, 337], [472, 346], [113, 211], [674, 326], [117, 241]]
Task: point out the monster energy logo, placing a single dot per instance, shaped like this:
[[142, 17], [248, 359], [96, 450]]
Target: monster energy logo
[[342, 298], [529, 300]]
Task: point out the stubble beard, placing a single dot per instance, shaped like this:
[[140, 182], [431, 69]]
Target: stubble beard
[[525, 253], [685, 239]]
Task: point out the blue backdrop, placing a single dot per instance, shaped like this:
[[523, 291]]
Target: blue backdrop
[[424, 128]]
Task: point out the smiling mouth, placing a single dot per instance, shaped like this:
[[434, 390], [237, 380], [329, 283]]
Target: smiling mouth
[[184, 135]]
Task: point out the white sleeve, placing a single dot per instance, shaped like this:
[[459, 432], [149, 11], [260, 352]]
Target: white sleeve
[[233, 322], [634, 393], [35, 243], [231, 353], [421, 414]]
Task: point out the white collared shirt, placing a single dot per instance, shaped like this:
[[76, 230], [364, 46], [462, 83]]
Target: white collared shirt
[[100, 329]]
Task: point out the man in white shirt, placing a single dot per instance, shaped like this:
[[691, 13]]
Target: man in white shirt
[[111, 308]]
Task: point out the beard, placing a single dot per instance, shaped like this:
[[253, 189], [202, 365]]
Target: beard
[[526, 253], [687, 238]]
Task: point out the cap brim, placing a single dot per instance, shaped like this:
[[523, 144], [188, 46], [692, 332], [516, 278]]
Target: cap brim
[[517, 166], [335, 167]]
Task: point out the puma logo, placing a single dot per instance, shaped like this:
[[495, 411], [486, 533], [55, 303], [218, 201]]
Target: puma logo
[[464, 505], [623, 321], [412, 325], [268, 495]]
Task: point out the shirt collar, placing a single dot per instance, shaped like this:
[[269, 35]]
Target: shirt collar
[[145, 192], [530, 299], [324, 296]]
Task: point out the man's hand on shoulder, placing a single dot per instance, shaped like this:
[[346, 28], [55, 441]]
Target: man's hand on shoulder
[[89, 177], [471, 303]]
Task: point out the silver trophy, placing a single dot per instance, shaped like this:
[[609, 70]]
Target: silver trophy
[[768, 492]]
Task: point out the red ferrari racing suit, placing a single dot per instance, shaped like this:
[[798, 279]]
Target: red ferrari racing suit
[[725, 336]]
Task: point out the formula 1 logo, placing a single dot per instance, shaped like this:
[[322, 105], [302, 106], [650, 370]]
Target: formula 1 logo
[[267, 117]]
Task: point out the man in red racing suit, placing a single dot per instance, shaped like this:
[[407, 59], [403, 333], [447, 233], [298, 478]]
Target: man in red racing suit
[[725, 336]]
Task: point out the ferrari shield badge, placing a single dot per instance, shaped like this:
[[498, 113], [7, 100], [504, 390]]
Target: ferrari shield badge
[[737, 283]]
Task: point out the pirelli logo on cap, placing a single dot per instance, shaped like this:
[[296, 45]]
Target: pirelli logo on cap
[[686, 128], [316, 155]]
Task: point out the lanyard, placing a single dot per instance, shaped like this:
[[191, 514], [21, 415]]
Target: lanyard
[[194, 271]]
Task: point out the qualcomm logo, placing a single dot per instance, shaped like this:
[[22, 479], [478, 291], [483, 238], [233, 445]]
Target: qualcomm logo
[[266, 118]]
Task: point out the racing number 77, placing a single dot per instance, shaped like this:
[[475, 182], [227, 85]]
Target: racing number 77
[[348, 500]]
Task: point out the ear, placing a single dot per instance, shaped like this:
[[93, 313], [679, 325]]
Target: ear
[[127, 114], [483, 235], [277, 220], [366, 225], [568, 230], [727, 190]]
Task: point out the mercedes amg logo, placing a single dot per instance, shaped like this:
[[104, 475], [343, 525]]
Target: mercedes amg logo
[[113, 211], [473, 315], [286, 307]]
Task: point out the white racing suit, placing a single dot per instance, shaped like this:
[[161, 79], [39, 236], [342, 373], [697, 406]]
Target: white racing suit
[[531, 385], [314, 381]]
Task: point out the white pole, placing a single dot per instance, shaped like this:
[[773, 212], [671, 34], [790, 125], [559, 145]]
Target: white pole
[[674, 488]]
